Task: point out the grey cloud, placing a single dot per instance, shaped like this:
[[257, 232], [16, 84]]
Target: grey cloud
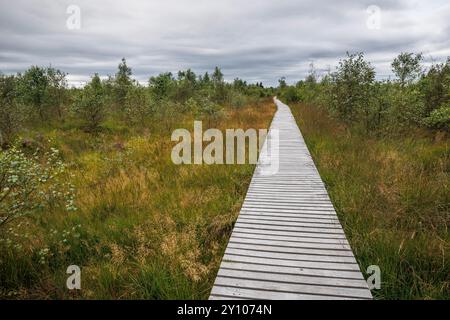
[[255, 40]]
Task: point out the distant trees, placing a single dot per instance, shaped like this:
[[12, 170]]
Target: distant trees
[[162, 86], [217, 77], [205, 81], [221, 94], [282, 83], [186, 85], [416, 98], [40, 95]]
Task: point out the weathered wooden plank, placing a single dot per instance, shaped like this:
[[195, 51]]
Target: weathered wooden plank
[[299, 211], [279, 286], [292, 278], [295, 217], [322, 225], [344, 274], [290, 263], [326, 216], [313, 230], [283, 238], [289, 233], [305, 247], [232, 292], [264, 253]]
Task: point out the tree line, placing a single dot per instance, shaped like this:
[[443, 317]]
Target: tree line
[[417, 97], [41, 95]]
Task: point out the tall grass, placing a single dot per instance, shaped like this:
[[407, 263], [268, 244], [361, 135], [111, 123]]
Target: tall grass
[[393, 199], [145, 228]]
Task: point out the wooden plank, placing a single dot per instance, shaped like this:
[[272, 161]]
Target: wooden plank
[[289, 233], [291, 244], [263, 253], [287, 242], [290, 263], [239, 293], [344, 274], [293, 278], [283, 238], [279, 286], [313, 230]]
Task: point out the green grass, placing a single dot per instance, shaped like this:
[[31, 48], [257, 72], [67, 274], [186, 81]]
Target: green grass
[[393, 199], [145, 228]]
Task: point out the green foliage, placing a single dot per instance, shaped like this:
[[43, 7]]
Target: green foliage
[[352, 94], [56, 95], [407, 67], [439, 118], [435, 87], [351, 89], [90, 104], [221, 93], [282, 84], [186, 85], [217, 77], [43, 89], [291, 95], [122, 82], [31, 183], [162, 86], [33, 87], [238, 99], [138, 106], [210, 109], [239, 85], [11, 114]]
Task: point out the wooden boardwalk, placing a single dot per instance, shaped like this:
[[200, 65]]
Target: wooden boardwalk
[[287, 242]]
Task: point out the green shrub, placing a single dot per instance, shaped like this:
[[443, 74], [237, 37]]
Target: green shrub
[[138, 106], [238, 100], [439, 118], [352, 88], [29, 184], [90, 104], [11, 115]]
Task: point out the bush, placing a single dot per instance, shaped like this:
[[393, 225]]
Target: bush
[[138, 105], [42, 88], [352, 88], [210, 109], [90, 104], [30, 183], [291, 95], [10, 110], [439, 118], [238, 100]]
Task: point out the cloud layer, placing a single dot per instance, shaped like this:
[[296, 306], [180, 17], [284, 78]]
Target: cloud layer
[[256, 40]]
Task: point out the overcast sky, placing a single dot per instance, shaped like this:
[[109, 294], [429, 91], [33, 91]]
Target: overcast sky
[[256, 40]]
